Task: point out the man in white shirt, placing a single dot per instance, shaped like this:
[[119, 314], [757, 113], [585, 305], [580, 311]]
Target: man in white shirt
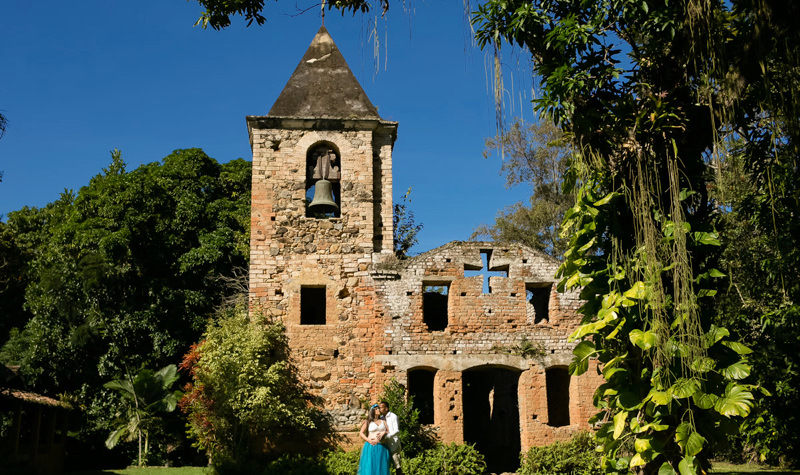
[[392, 438]]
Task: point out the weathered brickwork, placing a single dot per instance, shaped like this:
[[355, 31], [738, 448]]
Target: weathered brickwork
[[490, 353]]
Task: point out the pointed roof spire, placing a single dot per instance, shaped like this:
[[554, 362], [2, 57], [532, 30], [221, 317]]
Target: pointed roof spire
[[323, 85]]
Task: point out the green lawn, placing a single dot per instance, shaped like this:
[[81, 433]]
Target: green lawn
[[722, 468], [147, 471]]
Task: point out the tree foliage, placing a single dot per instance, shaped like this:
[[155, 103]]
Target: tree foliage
[[761, 236], [533, 154], [123, 273], [404, 226], [218, 13], [143, 397], [646, 89], [415, 438], [244, 390]]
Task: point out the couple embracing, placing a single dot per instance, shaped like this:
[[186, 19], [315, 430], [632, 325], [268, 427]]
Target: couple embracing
[[381, 442]]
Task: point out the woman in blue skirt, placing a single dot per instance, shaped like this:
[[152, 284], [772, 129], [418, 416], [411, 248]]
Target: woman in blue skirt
[[374, 455]]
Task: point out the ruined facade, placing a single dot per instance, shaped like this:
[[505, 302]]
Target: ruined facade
[[474, 329]]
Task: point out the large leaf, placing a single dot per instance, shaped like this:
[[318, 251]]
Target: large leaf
[[582, 353], [714, 335], [666, 469], [619, 423], [737, 401], [703, 400], [737, 347], [695, 443], [737, 371], [703, 364], [687, 466], [684, 387], [642, 339]]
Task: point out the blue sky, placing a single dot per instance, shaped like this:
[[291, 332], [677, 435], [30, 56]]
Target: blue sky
[[82, 78]]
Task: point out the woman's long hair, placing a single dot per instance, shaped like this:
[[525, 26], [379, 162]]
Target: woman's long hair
[[373, 413]]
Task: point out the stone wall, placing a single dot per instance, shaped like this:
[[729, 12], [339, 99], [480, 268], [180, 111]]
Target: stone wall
[[375, 326]]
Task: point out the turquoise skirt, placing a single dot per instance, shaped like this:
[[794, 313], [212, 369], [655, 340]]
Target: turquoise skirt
[[374, 460]]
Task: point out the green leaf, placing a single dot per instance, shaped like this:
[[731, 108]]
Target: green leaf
[[737, 371], [694, 443], [582, 353], [684, 387], [666, 469], [709, 239], [714, 335], [629, 399], [737, 401], [715, 273], [638, 291], [637, 461], [642, 445], [619, 423], [686, 466], [703, 364], [682, 433], [644, 340], [660, 398], [703, 400], [737, 347], [606, 199]]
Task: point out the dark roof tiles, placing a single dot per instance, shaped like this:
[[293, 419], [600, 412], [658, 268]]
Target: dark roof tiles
[[323, 86]]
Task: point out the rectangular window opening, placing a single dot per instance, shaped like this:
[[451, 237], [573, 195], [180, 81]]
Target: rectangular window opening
[[434, 306], [312, 305], [538, 296]]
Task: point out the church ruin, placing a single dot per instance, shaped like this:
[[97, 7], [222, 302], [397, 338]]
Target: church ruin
[[474, 330]]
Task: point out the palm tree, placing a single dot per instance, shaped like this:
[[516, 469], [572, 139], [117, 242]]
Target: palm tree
[[143, 397]]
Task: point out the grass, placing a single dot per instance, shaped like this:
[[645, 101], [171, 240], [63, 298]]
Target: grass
[[720, 468], [724, 468], [147, 471]]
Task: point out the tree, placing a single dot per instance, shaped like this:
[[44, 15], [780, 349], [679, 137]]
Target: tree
[[245, 389], [645, 88], [415, 438], [534, 154], [218, 13], [125, 273], [143, 398], [761, 241], [405, 228]]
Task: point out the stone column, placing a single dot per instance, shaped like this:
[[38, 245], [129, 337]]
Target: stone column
[[448, 406]]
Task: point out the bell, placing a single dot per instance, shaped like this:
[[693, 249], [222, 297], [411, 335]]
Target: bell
[[323, 197]]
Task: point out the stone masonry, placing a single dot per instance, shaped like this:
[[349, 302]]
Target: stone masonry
[[474, 329]]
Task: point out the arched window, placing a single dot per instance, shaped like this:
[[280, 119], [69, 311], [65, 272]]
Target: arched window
[[323, 175], [420, 387]]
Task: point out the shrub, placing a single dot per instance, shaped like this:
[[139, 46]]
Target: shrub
[[339, 462], [244, 388], [452, 459], [415, 438], [296, 464], [574, 457]]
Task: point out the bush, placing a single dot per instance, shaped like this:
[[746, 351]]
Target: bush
[[415, 438], [244, 388], [339, 462], [574, 457], [444, 459], [296, 464]]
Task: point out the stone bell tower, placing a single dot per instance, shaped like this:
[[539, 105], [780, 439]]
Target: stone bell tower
[[312, 243]]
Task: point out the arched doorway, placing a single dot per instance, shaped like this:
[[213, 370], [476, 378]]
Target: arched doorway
[[420, 387], [491, 415]]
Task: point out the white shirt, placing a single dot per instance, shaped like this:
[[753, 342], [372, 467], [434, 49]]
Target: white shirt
[[391, 424]]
